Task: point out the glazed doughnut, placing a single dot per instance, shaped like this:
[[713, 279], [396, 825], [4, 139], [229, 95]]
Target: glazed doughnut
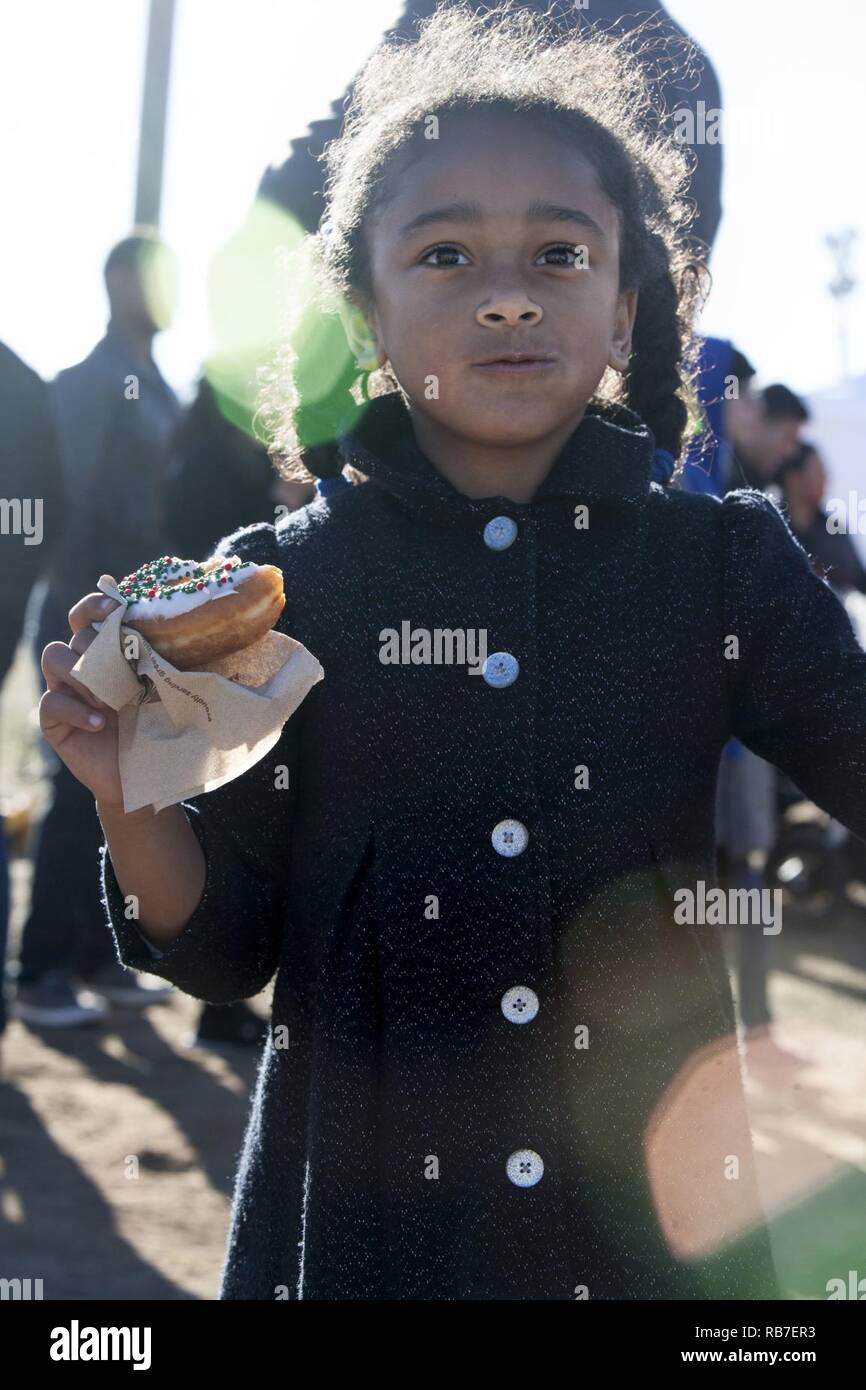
[[193, 614]]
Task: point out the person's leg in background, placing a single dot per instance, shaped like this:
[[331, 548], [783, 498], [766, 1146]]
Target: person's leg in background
[[63, 929], [65, 935], [752, 953], [65, 849], [747, 827], [757, 817]]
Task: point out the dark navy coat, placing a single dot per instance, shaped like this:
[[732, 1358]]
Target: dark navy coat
[[510, 1074]]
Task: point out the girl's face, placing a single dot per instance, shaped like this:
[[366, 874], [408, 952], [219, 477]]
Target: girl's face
[[474, 257]]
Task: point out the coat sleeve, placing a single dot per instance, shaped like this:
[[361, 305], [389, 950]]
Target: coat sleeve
[[798, 685], [229, 948]]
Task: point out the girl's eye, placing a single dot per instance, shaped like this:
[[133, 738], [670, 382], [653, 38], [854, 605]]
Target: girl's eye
[[565, 254], [561, 251], [441, 251]]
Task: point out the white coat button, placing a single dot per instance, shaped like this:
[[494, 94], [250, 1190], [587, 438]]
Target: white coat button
[[500, 669], [500, 532], [525, 1167], [510, 837], [520, 1004]]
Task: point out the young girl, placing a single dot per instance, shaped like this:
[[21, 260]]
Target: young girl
[[503, 1060]]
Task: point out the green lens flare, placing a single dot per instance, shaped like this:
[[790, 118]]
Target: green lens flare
[[261, 299]]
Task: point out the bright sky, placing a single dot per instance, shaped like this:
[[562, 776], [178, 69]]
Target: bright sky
[[250, 74]]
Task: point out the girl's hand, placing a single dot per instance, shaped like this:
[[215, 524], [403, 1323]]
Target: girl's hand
[[67, 708]]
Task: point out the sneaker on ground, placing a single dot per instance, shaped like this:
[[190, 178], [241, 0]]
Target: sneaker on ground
[[51, 1001]]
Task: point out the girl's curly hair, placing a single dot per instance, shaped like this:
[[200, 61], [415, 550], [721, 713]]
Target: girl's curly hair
[[602, 92]]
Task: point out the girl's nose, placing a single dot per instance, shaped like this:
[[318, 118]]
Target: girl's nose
[[511, 309]]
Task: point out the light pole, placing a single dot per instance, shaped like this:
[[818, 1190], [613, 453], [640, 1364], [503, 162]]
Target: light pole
[[154, 104]]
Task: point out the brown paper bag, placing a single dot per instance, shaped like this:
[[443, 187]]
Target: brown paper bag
[[181, 733]]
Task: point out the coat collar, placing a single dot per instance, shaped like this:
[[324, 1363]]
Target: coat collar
[[608, 458]]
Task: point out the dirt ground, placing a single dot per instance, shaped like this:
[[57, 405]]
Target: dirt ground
[[118, 1151], [118, 1144]]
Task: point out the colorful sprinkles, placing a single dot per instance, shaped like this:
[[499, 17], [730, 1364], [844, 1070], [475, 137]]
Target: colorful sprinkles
[[169, 575]]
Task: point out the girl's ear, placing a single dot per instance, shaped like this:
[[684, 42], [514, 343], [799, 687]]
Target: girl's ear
[[620, 343], [363, 343]]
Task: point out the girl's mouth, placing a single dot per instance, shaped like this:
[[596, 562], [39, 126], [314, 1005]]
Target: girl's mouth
[[516, 364]]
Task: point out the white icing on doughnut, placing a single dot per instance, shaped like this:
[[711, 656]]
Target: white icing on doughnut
[[178, 602]]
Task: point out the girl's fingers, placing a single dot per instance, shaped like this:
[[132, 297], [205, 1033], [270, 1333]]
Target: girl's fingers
[[93, 608], [59, 709], [80, 641], [58, 658]]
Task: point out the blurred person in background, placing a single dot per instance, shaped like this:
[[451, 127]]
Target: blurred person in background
[[220, 477], [32, 500], [749, 435], [834, 556], [749, 438], [114, 414], [723, 378], [29, 469], [763, 432], [217, 478]]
